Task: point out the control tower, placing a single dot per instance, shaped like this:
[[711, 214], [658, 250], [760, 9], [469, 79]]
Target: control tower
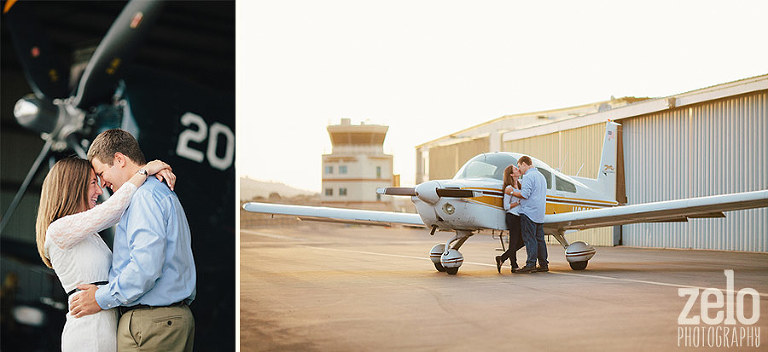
[[356, 167]]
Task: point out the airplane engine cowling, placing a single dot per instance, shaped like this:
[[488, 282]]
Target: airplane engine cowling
[[579, 252], [427, 192], [453, 259], [436, 253]]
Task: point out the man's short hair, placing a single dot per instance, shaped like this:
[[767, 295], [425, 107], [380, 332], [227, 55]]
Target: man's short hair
[[113, 141], [525, 160]]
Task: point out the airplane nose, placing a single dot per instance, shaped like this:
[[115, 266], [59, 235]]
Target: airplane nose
[[427, 192]]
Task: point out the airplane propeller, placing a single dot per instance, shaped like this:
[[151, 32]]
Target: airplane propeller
[[456, 193], [429, 191], [397, 191], [118, 47], [62, 120]]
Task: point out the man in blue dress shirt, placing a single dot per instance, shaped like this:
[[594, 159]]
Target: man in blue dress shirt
[[153, 275], [533, 203]]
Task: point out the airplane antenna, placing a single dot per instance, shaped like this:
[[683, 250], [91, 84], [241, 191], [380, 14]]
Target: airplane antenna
[[562, 162], [582, 166]]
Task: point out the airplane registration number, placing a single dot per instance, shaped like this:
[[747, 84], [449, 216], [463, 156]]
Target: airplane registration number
[[199, 134], [577, 208]]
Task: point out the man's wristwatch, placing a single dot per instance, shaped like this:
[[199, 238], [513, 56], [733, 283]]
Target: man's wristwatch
[[142, 172]]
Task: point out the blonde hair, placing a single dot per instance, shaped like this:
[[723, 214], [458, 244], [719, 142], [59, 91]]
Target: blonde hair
[[65, 192]]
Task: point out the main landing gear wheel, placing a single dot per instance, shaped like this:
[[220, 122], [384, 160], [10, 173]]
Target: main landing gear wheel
[[579, 265], [439, 267], [578, 254], [451, 271]]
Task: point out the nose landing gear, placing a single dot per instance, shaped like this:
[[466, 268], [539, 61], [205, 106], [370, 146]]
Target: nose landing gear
[[449, 260]]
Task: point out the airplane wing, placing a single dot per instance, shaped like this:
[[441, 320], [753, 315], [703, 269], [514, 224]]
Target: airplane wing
[[666, 211], [352, 216]]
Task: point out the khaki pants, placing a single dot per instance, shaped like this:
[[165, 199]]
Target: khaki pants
[[156, 329]]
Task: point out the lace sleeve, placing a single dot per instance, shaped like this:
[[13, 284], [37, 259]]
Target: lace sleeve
[[70, 230]]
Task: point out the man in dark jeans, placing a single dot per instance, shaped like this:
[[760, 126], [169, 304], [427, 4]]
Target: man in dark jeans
[[533, 195]]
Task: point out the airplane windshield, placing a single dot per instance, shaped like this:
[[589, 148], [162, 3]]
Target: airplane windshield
[[489, 165]]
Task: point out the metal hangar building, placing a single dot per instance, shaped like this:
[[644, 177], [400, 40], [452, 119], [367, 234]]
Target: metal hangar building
[[704, 142]]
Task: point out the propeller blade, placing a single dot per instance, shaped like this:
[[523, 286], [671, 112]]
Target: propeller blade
[[74, 143], [27, 180], [46, 72], [397, 191], [118, 47], [455, 193]]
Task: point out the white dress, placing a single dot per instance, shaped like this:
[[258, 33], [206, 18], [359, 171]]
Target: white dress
[[80, 256]]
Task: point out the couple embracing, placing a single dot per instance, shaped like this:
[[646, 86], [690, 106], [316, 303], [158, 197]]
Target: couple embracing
[[525, 201], [149, 279]]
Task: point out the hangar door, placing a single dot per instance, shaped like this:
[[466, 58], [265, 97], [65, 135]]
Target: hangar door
[[717, 147]]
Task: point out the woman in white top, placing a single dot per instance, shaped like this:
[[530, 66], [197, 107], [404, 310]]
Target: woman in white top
[[512, 217], [68, 222]]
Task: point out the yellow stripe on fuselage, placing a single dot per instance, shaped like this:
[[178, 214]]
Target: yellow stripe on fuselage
[[606, 202], [557, 208], [495, 202], [551, 208]]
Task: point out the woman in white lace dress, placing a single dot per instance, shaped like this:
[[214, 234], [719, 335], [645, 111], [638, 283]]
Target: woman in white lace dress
[[68, 222]]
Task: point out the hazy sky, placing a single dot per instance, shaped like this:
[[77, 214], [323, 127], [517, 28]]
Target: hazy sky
[[430, 68]]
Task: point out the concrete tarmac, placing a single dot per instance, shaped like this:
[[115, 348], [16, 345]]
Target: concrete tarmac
[[333, 287]]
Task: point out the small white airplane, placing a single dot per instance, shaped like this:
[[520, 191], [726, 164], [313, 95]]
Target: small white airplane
[[472, 201]]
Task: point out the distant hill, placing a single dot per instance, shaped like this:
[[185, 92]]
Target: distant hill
[[250, 189]]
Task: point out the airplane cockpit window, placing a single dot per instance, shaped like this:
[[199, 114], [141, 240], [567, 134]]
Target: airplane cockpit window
[[563, 185], [547, 175], [490, 165]]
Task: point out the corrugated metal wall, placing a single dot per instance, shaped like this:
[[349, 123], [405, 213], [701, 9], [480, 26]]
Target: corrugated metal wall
[[582, 146], [545, 148], [446, 160], [716, 147], [570, 149], [712, 148]]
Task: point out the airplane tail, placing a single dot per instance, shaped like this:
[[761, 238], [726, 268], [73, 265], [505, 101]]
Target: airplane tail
[[606, 176]]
